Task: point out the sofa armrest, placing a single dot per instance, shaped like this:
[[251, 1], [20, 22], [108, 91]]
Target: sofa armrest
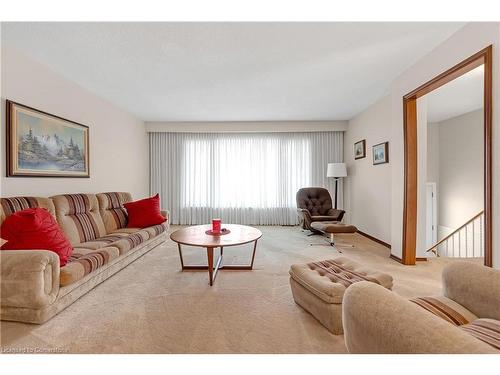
[[377, 320], [166, 214], [474, 286], [28, 278]]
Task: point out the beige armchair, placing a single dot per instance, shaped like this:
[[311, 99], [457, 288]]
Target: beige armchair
[[377, 320]]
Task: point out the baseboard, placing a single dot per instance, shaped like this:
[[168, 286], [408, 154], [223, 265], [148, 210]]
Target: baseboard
[[398, 259], [374, 239]]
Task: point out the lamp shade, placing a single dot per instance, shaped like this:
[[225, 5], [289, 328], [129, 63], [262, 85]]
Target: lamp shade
[[336, 170]]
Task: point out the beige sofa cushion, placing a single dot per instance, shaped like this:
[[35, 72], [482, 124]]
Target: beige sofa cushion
[[79, 217], [112, 211], [85, 261], [93, 254], [101, 241], [130, 241], [13, 204], [125, 231], [156, 230]]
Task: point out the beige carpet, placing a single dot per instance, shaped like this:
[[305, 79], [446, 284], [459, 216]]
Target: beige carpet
[[153, 307]]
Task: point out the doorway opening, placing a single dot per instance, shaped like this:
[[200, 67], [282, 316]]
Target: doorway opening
[[415, 189]]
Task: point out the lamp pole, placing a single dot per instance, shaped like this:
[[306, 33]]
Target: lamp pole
[[336, 191], [336, 170]]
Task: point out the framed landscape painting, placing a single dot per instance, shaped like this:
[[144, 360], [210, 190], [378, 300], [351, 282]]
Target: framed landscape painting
[[381, 153], [360, 149], [43, 145]]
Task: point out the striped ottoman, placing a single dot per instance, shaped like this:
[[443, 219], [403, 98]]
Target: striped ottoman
[[319, 287]]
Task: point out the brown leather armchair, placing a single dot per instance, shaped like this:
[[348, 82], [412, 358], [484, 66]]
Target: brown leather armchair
[[315, 204]]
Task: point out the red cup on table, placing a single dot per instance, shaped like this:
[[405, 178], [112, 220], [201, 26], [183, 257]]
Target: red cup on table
[[216, 225]]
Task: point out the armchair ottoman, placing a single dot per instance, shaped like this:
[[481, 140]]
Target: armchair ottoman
[[331, 228]]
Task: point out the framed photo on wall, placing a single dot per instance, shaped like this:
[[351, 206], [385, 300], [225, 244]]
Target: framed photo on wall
[[43, 145], [360, 150], [381, 153]]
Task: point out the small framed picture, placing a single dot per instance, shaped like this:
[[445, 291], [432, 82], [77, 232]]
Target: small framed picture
[[360, 149], [381, 153]]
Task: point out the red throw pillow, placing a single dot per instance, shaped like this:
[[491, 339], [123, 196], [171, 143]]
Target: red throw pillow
[[35, 229], [144, 213]]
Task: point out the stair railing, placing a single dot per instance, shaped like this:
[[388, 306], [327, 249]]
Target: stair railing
[[470, 241]]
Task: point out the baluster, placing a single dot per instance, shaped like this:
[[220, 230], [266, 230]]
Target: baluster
[[472, 235], [474, 238], [481, 235], [459, 243], [473, 250], [468, 236], [454, 246], [466, 242]]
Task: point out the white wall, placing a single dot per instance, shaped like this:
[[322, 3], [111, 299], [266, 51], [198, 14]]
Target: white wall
[[461, 169], [433, 153], [368, 186], [467, 41], [118, 140]]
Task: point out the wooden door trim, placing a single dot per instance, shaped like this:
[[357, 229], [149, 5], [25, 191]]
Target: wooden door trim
[[409, 239]]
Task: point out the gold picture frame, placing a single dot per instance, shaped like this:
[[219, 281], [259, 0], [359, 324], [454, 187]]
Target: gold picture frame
[[40, 144]]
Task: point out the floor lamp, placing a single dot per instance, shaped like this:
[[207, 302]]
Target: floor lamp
[[336, 170]]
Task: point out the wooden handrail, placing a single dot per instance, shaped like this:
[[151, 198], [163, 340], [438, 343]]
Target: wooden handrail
[[455, 231]]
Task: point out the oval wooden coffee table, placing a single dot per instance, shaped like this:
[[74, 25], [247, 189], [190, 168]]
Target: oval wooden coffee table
[[197, 236]]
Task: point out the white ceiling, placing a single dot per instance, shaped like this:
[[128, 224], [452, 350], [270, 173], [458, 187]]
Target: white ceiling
[[231, 71], [462, 95]]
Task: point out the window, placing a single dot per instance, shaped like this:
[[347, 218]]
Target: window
[[245, 171], [243, 178]]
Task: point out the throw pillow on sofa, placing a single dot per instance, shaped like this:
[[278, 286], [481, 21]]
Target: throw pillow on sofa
[[144, 213], [35, 229]]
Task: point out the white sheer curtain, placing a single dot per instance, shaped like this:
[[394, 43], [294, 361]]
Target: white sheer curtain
[[246, 178]]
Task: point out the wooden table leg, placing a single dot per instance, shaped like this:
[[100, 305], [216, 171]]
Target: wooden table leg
[[212, 270], [180, 255], [253, 255], [210, 256]]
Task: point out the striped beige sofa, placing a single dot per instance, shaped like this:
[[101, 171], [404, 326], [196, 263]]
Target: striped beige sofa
[[465, 319], [34, 287]]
